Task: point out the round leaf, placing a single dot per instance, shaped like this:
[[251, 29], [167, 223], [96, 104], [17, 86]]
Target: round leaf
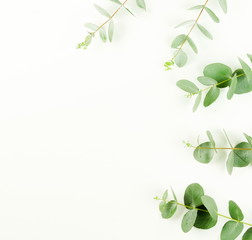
[[168, 209], [178, 41], [210, 205], [193, 195], [211, 96], [231, 230], [235, 212], [189, 220], [187, 86], [204, 220], [242, 82], [204, 155], [181, 59], [218, 72], [248, 234], [207, 81], [242, 158]]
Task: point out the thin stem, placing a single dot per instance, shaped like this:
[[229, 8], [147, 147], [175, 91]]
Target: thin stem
[[110, 18], [221, 215], [214, 85], [191, 29], [224, 148]]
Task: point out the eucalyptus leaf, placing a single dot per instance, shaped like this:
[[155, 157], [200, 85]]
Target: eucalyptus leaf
[[203, 154], [247, 71], [178, 41], [197, 101], [196, 7], [91, 26], [187, 86], [207, 81], [248, 234], [242, 82], [189, 220], [102, 11], [212, 15], [210, 205], [168, 209], [235, 212], [230, 163], [204, 220], [184, 23], [103, 34], [210, 137], [165, 195], [205, 31], [211, 96], [193, 194], [231, 230], [242, 158], [111, 30], [223, 4], [250, 57], [192, 45], [181, 58], [174, 195], [141, 4], [232, 87], [219, 72], [249, 139]]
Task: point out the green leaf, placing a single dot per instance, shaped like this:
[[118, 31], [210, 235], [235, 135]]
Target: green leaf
[[168, 209], [141, 4], [204, 155], [102, 11], [103, 35], [111, 30], [178, 41], [184, 23], [181, 58], [230, 163], [235, 212], [242, 82], [242, 158], [223, 4], [165, 195], [210, 205], [118, 2], [249, 139], [91, 26], [204, 220], [232, 87], [196, 7], [248, 234], [174, 195], [210, 137], [211, 96], [192, 45], [219, 72], [247, 71], [197, 101], [205, 31], [212, 15], [187, 86], [207, 81], [250, 57], [189, 220], [231, 230], [193, 194]]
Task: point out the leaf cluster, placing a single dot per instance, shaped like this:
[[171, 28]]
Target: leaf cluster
[[106, 33], [217, 76], [202, 213], [240, 155], [180, 57]]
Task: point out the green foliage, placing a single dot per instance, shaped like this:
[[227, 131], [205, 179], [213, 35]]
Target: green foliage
[[106, 32], [202, 213], [240, 155], [180, 40], [217, 76]]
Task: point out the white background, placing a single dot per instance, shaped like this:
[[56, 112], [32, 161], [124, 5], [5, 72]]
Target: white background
[[88, 138]]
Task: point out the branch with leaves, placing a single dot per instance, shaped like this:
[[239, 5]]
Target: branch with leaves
[[101, 29], [202, 212], [180, 57], [240, 155], [217, 76]]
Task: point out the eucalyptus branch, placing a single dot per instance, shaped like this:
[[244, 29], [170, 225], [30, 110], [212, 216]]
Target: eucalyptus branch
[[180, 57], [202, 212], [101, 28], [240, 155], [217, 76]]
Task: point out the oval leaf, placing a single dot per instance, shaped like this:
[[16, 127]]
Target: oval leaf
[[230, 163], [223, 4], [187, 86], [193, 194], [205, 31], [181, 58], [192, 45], [204, 220], [211, 96], [247, 71], [242, 158], [231, 230], [168, 209], [232, 87], [204, 155], [141, 4], [197, 101], [212, 15], [103, 35], [184, 23], [91, 26], [178, 41], [101, 10], [111, 30], [189, 220], [207, 81], [235, 212], [248, 234], [249, 139], [210, 205]]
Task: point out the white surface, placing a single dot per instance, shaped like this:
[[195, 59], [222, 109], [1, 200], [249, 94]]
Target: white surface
[[88, 138]]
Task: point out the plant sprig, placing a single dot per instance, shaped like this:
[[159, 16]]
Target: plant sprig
[[217, 76], [202, 212], [180, 57], [240, 155], [101, 28]]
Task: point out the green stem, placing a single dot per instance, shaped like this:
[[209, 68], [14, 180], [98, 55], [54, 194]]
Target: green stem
[[214, 85], [191, 29]]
